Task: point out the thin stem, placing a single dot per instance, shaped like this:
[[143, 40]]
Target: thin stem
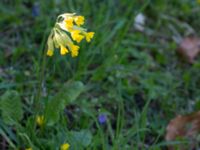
[[41, 81]]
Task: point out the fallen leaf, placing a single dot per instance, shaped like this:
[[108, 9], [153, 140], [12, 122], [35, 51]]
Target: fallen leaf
[[187, 126], [189, 47]]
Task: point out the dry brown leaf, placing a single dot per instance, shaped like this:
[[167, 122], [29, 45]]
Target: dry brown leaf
[[187, 126], [189, 48]]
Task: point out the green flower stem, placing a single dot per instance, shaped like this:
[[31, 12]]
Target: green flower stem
[[41, 80], [37, 105]]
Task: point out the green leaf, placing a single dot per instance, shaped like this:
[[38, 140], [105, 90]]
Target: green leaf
[[56, 105], [83, 137], [11, 107]]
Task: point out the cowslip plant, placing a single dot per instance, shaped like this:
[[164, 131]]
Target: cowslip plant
[[66, 34]]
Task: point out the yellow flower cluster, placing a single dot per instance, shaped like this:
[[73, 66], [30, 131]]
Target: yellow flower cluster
[[68, 30]]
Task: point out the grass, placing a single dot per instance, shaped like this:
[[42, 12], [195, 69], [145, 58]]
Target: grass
[[135, 78]]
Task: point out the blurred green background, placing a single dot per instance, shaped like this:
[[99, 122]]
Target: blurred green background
[[134, 78]]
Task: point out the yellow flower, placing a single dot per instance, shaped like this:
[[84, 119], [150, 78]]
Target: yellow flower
[[76, 36], [79, 20], [74, 50], [69, 22], [49, 52], [198, 1], [40, 120], [63, 50], [29, 148], [89, 36], [64, 146]]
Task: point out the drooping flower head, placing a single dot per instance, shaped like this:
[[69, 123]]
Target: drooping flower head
[[67, 33]]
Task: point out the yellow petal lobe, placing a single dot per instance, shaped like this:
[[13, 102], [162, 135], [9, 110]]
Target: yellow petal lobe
[[79, 20], [49, 52], [63, 50], [76, 36], [69, 22], [74, 50], [89, 36]]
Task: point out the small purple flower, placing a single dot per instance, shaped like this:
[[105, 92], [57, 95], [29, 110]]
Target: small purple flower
[[102, 118]]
